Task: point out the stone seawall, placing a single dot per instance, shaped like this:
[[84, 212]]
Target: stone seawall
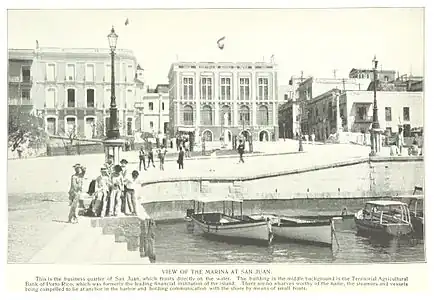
[[322, 188]]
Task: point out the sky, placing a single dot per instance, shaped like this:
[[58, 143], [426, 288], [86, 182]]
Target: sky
[[315, 41]]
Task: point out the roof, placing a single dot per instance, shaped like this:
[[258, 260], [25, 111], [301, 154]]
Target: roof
[[385, 203]]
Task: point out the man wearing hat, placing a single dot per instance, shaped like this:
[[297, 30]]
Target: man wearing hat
[[101, 193], [124, 174], [74, 193]]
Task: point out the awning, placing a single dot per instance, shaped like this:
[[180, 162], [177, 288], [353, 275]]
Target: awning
[[186, 129]]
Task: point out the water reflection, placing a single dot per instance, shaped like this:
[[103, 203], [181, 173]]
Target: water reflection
[[179, 243]]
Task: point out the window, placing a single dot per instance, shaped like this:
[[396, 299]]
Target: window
[[130, 73], [244, 115], [129, 126], [206, 115], [25, 95], [188, 115], [263, 89], [262, 115], [388, 111], [206, 88], [244, 89], [90, 75], [406, 111], [162, 105], [151, 125], [70, 72], [51, 126], [285, 97], [188, 88], [51, 72], [225, 110], [225, 86], [151, 106], [361, 113], [107, 98], [70, 125], [389, 130], [25, 73], [71, 97], [386, 78], [90, 128], [90, 98], [108, 73], [50, 101]]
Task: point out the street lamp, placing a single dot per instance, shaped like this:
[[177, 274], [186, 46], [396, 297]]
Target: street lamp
[[284, 129], [375, 131], [300, 138], [113, 132], [375, 123]]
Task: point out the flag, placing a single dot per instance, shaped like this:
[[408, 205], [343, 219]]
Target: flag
[[220, 43], [127, 22]]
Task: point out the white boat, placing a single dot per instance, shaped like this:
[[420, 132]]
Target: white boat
[[227, 226], [384, 217], [317, 230]]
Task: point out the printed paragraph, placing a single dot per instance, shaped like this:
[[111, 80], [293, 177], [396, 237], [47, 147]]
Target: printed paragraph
[[210, 280]]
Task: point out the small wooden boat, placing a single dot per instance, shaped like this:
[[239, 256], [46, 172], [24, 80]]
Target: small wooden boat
[[318, 230], [227, 226], [384, 217]]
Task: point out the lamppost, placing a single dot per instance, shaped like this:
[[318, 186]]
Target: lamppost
[[375, 141], [300, 136], [284, 130], [113, 132], [113, 144]]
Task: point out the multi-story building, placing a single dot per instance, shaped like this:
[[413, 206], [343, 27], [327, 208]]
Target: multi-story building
[[20, 80], [395, 109], [153, 108], [222, 100], [382, 75], [71, 88]]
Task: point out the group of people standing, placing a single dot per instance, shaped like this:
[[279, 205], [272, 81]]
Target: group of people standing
[[149, 155], [113, 192]]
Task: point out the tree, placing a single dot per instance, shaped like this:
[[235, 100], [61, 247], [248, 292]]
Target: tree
[[24, 126]]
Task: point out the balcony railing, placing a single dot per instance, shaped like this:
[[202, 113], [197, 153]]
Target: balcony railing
[[23, 79], [365, 119], [20, 101]]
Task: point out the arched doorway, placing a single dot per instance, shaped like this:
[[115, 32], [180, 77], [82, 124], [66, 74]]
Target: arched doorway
[[207, 134], [245, 133], [264, 136], [227, 137]]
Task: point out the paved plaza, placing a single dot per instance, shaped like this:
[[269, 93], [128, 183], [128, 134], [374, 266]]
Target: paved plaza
[[52, 174]]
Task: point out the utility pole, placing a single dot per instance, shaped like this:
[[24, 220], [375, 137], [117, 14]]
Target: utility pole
[[334, 73], [300, 109]]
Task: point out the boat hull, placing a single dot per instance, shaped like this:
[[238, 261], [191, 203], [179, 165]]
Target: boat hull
[[391, 230], [320, 234], [242, 231]]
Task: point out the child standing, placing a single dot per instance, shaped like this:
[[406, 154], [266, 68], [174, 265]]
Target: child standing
[[117, 183], [161, 155]]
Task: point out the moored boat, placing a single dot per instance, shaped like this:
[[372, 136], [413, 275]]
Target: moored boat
[[317, 230], [384, 217], [416, 207], [227, 226]]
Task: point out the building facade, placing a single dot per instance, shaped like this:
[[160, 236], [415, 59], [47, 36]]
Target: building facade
[[153, 110], [71, 89], [20, 79], [382, 75], [222, 100], [395, 109]]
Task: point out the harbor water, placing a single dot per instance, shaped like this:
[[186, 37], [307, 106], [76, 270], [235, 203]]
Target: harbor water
[[176, 243]]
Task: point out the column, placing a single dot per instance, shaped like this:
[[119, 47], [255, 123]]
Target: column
[[274, 113], [253, 106], [216, 98], [235, 86], [235, 98], [235, 113], [197, 97]]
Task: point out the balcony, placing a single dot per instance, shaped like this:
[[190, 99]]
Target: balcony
[[20, 101], [19, 79], [364, 119]]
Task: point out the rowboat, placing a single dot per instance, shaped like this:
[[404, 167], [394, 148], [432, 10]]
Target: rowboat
[[386, 218], [318, 230], [226, 225]]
